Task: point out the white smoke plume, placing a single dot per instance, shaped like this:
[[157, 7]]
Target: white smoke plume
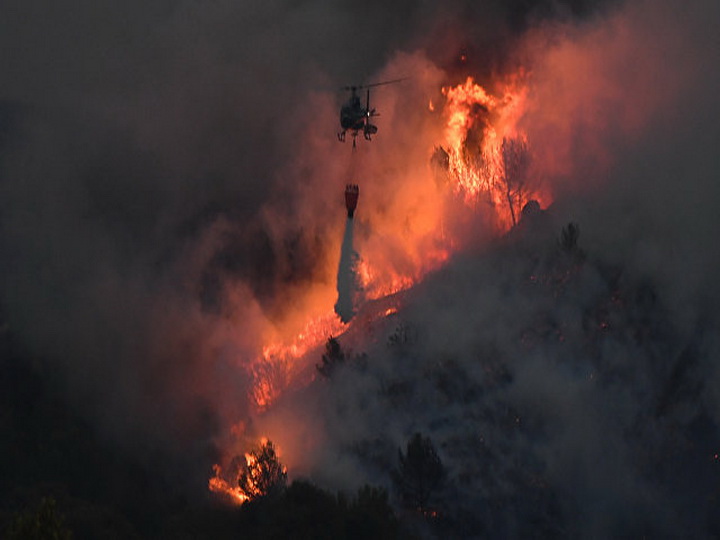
[[348, 285]]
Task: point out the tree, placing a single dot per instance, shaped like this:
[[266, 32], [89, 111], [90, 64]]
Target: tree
[[47, 523], [262, 474], [515, 164], [403, 336], [333, 358], [568, 241], [306, 511], [369, 515], [420, 473]]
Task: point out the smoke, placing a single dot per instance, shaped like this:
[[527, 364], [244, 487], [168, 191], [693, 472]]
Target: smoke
[[570, 394], [638, 134], [170, 203]]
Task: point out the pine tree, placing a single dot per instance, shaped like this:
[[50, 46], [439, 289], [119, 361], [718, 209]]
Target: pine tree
[[262, 474], [333, 358], [420, 473]]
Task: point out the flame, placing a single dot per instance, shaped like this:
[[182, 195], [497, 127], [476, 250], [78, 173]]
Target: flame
[[485, 161], [218, 484], [488, 154], [375, 286], [479, 129], [230, 488], [277, 366]]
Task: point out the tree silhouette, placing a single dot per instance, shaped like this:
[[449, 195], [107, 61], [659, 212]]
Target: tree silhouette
[[420, 473], [305, 511], [262, 474], [45, 523], [568, 241], [369, 515], [515, 164], [333, 358]]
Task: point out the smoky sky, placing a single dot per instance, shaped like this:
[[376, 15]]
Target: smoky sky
[[133, 130], [154, 173]]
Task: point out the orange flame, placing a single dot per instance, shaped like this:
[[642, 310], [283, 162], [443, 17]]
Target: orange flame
[[480, 128], [276, 367], [375, 286], [230, 488], [488, 154], [486, 162], [218, 484]]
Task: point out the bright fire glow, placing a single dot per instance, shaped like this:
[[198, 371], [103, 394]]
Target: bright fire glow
[[375, 287], [230, 486], [480, 131], [277, 366], [220, 485], [488, 155], [484, 158]]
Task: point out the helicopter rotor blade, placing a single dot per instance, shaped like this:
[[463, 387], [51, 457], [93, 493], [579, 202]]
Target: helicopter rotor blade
[[355, 87], [393, 81]]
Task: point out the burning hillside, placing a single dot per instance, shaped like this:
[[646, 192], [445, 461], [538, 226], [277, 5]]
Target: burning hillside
[[479, 162], [478, 166], [518, 272]]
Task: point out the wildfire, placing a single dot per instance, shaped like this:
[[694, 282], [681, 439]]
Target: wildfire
[[218, 484], [259, 475], [488, 155], [277, 367], [375, 287], [487, 162], [484, 157]]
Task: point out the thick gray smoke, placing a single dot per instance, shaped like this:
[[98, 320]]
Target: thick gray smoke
[[156, 163], [150, 189], [570, 388]]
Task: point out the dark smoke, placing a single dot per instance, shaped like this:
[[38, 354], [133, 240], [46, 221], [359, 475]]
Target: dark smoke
[[570, 392], [155, 167]]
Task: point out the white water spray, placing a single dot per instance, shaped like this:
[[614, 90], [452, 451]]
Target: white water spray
[[348, 285]]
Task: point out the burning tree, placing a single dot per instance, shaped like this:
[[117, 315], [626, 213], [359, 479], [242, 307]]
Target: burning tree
[[262, 474], [515, 163], [485, 154], [420, 473]]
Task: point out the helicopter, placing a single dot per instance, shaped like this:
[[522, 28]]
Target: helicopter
[[354, 117]]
